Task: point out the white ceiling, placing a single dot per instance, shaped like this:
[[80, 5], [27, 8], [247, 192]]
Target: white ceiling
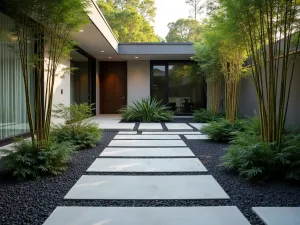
[[76, 56], [91, 40]]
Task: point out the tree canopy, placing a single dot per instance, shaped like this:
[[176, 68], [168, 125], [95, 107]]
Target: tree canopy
[[184, 30], [196, 7], [130, 19]]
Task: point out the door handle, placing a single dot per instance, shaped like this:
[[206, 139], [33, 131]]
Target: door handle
[[123, 97]]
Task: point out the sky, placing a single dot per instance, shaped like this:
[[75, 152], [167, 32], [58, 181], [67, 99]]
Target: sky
[[168, 11]]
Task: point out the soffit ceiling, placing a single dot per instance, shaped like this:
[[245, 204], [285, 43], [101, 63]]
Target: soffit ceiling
[[93, 42], [97, 39]]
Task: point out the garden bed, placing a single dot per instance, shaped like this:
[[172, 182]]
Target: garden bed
[[31, 202], [243, 194]]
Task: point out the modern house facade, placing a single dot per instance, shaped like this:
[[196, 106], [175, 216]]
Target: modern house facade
[[109, 74]]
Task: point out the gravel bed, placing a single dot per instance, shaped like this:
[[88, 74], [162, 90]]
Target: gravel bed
[[31, 202], [184, 120], [176, 120], [243, 194]]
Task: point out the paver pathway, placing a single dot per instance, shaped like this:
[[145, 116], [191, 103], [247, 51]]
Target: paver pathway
[[168, 152]]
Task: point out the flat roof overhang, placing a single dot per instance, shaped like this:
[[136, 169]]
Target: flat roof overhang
[[98, 39], [160, 48]]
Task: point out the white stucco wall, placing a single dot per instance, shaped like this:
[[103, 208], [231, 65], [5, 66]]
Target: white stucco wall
[[138, 80], [62, 84]]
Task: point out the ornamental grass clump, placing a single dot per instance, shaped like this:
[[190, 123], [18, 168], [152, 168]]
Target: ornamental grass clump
[[146, 110], [76, 128]]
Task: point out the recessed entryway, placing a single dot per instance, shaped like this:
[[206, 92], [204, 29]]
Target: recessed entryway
[[113, 86]]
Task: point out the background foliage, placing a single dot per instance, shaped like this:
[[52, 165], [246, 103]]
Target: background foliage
[[184, 30], [130, 19]]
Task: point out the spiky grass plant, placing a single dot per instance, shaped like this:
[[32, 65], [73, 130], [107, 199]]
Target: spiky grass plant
[[146, 110]]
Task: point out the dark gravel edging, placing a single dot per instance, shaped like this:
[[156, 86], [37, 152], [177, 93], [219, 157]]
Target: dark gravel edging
[[31, 202], [243, 194]]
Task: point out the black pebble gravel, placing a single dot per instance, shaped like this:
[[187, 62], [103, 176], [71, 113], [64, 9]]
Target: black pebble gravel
[[243, 194], [31, 202]]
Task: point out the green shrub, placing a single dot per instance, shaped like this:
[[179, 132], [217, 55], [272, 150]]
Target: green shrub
[[205, 116], [25, 161], [146, 110], [257, 160], [223, 130], [250, 157], [288, 157], [77, 128]]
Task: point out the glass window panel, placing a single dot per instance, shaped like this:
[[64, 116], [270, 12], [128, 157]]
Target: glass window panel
[[79, 78], [159, 82], [13, 116], [184, 88]]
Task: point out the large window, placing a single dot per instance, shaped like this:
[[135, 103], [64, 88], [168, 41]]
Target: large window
[[79, 78], [179, 85], [13, 116], [83, 78], [159, 82]]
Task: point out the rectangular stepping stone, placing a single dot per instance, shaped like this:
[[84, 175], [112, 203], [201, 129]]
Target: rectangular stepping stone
[[145, 137], [278, 215], [198, 126], [178, 127], [147, 165], [171, 132], [150, 127], [117, 126], [196, 137], [147, 152], [146, 187], [145, 143], [208, 215], [127, 132]]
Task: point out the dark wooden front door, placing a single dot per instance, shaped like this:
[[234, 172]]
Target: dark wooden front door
[[113, 86]]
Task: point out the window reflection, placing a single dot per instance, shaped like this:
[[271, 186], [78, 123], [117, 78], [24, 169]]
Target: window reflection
[[159, 82], [180, 86], [184, 88]]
